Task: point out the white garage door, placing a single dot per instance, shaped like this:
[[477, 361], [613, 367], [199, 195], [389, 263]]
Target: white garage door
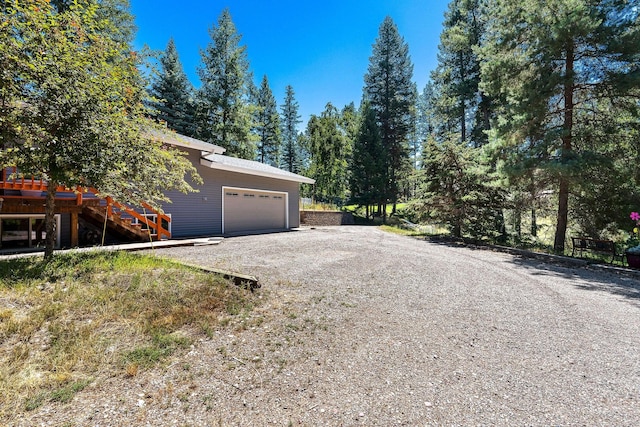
[[253, 210]]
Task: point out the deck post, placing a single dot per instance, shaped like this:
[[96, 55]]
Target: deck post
[[74, 229]]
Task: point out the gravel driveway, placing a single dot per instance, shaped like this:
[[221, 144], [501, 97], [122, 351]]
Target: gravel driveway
[[364, 328]]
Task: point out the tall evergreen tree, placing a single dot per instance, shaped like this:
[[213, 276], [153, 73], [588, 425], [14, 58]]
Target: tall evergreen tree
[[267, 125], [223, 116], [290, 119], [367, 165], [458, 189], [173, 94], [392, 95], [426, 120], [559, 67], [463, 108]]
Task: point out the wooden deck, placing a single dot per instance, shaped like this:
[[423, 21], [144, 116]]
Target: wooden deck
[[26, 195]]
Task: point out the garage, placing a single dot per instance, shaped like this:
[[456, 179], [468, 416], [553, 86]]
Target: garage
[[246, 209]]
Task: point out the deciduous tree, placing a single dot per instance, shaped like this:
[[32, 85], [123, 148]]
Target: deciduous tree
[[72, 108], [330, 152]]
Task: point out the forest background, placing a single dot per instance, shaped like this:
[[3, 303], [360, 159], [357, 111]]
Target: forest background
[[528, 129], [530, 121]]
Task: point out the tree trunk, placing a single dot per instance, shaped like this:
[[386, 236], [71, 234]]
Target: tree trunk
[[50, 220], [534, 223], [517, 219], [384, 213], [563, 184], [562, 219]]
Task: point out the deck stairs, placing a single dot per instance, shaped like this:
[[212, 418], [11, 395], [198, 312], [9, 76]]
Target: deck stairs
[[117, 224], [122, 221]]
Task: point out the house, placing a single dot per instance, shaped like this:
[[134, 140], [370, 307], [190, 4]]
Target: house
[[237, 197]]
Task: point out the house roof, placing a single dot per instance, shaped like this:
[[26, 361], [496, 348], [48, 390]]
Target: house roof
[[249, 167], [178, 140], [212, 157]]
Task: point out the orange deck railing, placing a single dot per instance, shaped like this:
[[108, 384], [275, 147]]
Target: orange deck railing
[[24, 184]]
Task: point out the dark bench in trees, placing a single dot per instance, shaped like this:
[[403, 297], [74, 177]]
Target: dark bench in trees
[[587, 244]]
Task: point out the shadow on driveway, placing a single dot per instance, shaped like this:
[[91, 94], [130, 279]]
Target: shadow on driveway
[[584, 274]]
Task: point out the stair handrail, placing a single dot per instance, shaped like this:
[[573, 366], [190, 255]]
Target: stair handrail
[[156, 226]]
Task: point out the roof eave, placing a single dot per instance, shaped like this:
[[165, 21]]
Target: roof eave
[[178, 140], [230, 168]]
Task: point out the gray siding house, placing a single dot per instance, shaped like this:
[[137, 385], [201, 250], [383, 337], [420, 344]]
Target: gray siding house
[[237, 197]]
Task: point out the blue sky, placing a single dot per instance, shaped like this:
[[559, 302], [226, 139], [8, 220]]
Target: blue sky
[[321, 49]]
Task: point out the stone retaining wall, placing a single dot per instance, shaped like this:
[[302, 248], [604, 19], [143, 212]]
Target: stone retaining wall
[[323, 218]]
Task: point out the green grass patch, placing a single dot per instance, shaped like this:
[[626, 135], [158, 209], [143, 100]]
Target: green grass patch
[[85, 315], [419, 231]]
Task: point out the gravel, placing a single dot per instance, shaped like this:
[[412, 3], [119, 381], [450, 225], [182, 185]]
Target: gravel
[[359, 327]]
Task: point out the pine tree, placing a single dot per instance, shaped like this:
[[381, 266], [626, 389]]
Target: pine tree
[[559, 67], [462, 107], [367, 165], [392, 95], [267, 125], [223, 116], [173, 94], [290, 119], [458, 188], [426, 120]]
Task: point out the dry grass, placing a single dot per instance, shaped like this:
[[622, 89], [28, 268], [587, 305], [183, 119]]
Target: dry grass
[[85, 316]]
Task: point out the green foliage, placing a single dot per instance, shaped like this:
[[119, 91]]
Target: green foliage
[[330, 150], [392, 95], [367, 166], [458, 189], [461, 107], [291, 156], [66, 393], [173, 94], [223, 114], [73, 112], [162, 346], [565, 75], [267, 125]]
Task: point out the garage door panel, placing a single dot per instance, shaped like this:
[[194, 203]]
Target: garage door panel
[[253, 210]]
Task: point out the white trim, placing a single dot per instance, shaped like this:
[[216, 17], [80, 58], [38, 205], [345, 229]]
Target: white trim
[[247, 171], [286, 201], [30, 231]]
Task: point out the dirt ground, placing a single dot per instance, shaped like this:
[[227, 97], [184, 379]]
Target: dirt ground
[[359, 327]]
